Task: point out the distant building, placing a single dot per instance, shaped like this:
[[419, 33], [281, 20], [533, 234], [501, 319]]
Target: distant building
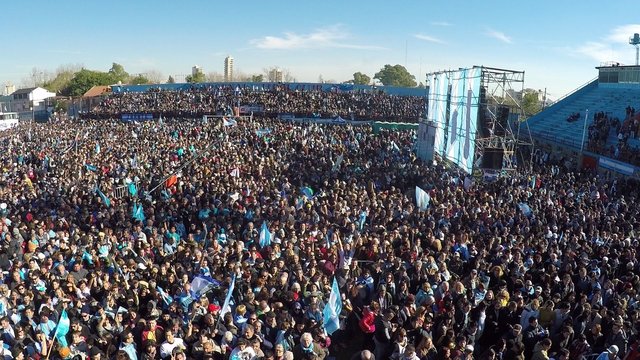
[[228, 68], [94, 96], [31, 99], [276, 75], [195, 70], [8, 89]]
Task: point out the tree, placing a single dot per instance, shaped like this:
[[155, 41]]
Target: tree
[[85, 79], [361, 79], [213, 77], [118, 74], [257, 78], [139, 79], [198, 77], [60, 81], [396, 75], [530, 103], [61, 106], [154, 76], [171, 80]]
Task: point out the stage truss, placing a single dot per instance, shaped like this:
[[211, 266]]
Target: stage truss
[[504, 88]]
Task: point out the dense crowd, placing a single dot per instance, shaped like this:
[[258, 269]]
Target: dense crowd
[[603, 125], [198, 101], [527, 267]]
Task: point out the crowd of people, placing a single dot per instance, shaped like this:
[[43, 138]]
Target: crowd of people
[[603, 125], [198, 101], [268, 214]]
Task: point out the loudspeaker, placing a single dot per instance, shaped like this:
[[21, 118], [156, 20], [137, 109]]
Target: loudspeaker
[[502, 116], [492, 158]]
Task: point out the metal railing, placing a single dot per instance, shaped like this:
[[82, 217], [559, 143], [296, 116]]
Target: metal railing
[[122, 191]]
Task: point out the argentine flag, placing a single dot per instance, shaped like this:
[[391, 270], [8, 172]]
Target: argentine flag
[[331, 311], [62, 329], [422, 199], [201, 284], [265, 235], [362, 219], [165, 297], [104, 198], [229, 122], [133, 189], [138, 212], [226, 307], [308, 192]]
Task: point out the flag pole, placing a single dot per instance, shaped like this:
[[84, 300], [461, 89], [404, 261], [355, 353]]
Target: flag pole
[[55, 338]]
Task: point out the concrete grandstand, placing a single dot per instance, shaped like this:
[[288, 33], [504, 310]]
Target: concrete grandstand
[[567, 124]]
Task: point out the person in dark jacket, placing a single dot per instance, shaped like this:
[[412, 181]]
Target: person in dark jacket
[[383, 335]]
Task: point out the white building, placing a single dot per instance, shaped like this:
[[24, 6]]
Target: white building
[[228, 68], [31, 99], [195, 70]]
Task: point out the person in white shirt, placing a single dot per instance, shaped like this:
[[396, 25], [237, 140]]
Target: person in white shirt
[[171, 342], [242, 351]]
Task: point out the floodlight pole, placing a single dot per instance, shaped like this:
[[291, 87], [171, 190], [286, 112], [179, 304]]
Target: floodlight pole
[[584, 130], [635, 41]]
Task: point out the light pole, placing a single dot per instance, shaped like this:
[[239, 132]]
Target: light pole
[[584, 131]]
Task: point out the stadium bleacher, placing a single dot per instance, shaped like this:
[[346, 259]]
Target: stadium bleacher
[[552, 125]]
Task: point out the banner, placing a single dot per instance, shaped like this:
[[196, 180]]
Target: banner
[[136, 117], [248, 109]]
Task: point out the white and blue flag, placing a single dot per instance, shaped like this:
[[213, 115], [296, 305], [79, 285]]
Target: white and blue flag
[[331, 311]]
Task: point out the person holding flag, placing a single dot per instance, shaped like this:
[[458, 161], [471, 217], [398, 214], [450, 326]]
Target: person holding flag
[[265, 236], [332, 309]]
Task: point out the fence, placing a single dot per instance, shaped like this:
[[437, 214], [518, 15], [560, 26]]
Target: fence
[[122, 191]]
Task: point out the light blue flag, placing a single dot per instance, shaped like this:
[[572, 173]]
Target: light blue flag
[[62, 329], [422, 199], [229, 122], [533, 182], [165, 297], [526, 209], [133, 189], [90, 167], [104, 198], [97, 148], [362, 219], [339, 160], [265, 235], [138, 212], [87, 257], [263, 132], [226, 307], [3, 309], [201, 284], [331, 311], [308, 192]]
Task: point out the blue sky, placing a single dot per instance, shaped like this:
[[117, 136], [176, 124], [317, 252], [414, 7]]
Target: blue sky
[[557, 43]]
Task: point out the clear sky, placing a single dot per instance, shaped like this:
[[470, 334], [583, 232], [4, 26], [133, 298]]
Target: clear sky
[[557, 43]]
